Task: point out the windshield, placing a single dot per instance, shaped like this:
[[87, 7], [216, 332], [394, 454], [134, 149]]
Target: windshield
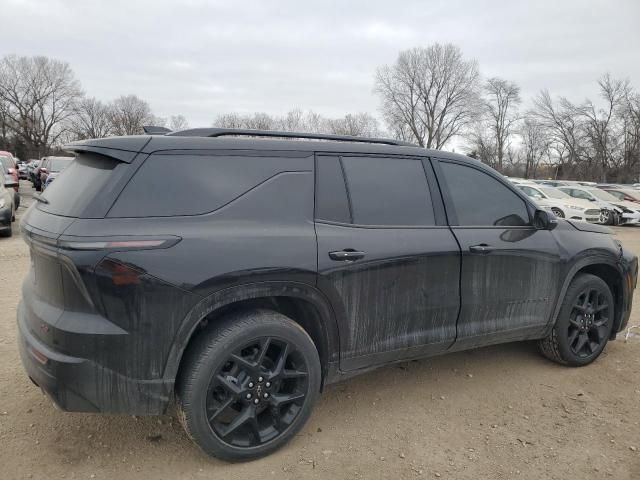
[[602, 195], [553, 193], [59, 164]]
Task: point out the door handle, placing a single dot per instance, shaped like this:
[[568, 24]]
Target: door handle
[[483, 248], [346, 255]]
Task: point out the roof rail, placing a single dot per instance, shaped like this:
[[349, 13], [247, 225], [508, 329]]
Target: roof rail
[[151, 130], [222, 132]]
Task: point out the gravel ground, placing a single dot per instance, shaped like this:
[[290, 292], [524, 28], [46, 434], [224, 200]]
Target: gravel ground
[[501, 412]]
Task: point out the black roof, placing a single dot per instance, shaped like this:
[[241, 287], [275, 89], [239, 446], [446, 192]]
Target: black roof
[[125, 148]]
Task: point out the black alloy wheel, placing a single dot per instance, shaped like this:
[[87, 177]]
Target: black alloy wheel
[[257, 393], [588, 322], [248, 384], [584, 323]]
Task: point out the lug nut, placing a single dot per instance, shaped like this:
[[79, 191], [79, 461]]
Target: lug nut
[[249, 396], [250, 384], [268, 384], [266, 395], [260, 379], [256, 401]]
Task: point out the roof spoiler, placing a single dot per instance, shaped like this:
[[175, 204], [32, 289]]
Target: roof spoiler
[[151, 130]]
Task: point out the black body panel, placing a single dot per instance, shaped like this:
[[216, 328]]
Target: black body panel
[[117, 291]]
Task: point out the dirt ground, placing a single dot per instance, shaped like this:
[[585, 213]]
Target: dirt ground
[[501, 412]]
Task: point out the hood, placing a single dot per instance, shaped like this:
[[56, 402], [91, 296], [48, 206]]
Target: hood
[[634, 207], [589, 227]]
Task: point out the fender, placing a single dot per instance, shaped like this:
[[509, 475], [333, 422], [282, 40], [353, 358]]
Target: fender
[[250, 291], [600, 257]]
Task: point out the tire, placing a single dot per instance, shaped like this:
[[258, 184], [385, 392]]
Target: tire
[[584, 323], [557, 212], [6, 232], [228, 373], [608, 217]]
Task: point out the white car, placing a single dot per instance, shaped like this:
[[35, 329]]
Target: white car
[[561, 204], [626, 213]]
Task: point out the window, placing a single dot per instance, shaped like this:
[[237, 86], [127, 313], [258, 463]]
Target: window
[[332, 202], [77, 185], [481, 200], [173, 185], [388, 191], [578, 193]]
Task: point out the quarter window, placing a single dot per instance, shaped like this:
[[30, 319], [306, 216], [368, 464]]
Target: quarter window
[[481, 200]]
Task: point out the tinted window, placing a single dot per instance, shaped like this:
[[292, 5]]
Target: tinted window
[[72, 190], [479, 199], [172, 185], [57, 164], [331, 193], [388, 191]]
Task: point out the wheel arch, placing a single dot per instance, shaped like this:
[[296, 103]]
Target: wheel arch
[[301, 302], [608, 270]]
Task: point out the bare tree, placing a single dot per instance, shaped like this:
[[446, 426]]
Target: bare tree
[[535, 146], [128, 114], [501, 102], [358, 125], [40, 94], [432, 92], [178, 122], [91, 119]]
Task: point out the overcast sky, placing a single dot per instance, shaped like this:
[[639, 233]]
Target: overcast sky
[[203, 58]]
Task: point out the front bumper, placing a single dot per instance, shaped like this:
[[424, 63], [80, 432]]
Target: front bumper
[[81, 385]]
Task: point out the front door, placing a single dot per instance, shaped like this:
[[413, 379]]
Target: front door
[[386, 258], [510, 270]]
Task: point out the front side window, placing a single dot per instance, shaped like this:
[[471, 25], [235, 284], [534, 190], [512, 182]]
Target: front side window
[[388, 191], [481, 200]]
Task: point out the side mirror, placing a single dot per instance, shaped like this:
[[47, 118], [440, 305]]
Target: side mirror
[[592, 199], [544, 220], [43, 169]]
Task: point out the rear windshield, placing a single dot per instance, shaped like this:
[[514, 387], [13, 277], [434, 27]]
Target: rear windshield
[[59, 164], [77, 185], [7, 162]]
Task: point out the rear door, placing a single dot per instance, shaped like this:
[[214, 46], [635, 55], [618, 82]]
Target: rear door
[[510, 270], [386, 258]]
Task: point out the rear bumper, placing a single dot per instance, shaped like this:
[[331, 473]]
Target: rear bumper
[[81, 385]]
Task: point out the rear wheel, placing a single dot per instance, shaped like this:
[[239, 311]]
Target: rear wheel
[[247, 386], [584, 323]]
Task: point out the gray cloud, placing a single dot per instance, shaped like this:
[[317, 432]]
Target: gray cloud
[[203, 58]]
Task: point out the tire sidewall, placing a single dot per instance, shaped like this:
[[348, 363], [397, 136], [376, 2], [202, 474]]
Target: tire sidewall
[[562, 324], [272, 325]]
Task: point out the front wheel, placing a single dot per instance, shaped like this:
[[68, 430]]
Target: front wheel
[[557, 212], [584, 323], [248, 385]]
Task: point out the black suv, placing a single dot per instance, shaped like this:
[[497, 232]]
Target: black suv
[[273, 266]]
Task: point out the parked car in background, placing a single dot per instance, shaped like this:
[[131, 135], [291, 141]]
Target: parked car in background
[[22, 169], [551, 183], [7, 205], [51, 167], [561, 204], [325, 259], [628, 194], [9, 164], [616, 211]]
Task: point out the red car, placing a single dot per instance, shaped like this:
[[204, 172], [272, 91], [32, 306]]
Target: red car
[[9, 164]]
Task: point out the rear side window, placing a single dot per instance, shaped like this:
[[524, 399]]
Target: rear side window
[[388, 191], [175, 185], [73, 189], [481, 200]]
